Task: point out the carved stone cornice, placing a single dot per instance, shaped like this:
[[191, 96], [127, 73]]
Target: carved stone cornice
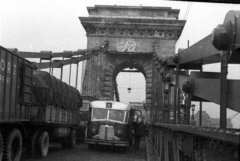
[[133, 27], [132, 21]]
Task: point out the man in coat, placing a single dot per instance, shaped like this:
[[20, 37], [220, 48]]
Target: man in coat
[[140, 129]]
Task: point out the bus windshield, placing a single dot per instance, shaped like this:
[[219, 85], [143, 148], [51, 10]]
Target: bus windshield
[[116, 115], [99, 114]]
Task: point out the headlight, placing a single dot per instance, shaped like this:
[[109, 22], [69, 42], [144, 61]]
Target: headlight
[[119, 132], [94, 130]]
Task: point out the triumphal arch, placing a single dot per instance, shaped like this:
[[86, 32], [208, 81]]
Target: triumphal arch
[[132, 32]]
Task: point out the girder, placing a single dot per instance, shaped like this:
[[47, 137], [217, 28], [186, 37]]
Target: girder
[[48, 55]]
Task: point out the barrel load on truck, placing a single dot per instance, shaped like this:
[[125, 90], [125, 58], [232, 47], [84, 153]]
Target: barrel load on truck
[[48, 90], [54, 101]]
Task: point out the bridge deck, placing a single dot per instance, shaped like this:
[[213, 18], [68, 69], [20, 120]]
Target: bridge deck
[[83, 153]]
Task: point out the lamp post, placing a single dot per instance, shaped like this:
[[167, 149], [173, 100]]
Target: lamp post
[[193, 122], [193, 109]]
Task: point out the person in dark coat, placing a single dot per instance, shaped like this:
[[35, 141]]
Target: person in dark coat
[[139, 130]]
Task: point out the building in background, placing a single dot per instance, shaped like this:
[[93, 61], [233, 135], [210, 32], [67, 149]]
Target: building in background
[[210, 122]]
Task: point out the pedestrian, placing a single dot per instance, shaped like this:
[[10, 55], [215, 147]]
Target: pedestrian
[[139, 130]]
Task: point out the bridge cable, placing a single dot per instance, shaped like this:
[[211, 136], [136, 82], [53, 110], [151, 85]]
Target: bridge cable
[[233, 116], [188, 10], [186, 15]]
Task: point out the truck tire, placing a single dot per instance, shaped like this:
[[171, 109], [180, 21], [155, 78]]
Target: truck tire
[[12, 150], [1, 146], [32, 144], [42, 144], [72, 139]]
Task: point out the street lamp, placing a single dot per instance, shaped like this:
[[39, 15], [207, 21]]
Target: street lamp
[[166, 88], [129, 90], [193, 109]]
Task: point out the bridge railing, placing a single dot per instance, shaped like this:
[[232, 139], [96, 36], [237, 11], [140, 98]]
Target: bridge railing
[[173, 130]]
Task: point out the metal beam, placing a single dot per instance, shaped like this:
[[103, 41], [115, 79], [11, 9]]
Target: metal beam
[[46, 55], [73, 60], [201, 50]]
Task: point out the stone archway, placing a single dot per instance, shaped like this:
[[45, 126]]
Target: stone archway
[[116, 63]]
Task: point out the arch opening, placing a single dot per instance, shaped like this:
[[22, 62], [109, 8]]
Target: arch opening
[[131, 85]]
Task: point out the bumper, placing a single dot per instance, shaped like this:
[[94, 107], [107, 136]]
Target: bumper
[[106, 142]]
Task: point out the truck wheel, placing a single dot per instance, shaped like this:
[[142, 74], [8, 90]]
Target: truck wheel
[[12, 146], [42, 144], [72, 139], [32, 144], [1, 146]]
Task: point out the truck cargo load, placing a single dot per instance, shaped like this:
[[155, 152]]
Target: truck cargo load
[[48, 90]]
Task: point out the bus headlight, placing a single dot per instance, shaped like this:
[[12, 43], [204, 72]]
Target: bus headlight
[[94, 130], [119, 132]]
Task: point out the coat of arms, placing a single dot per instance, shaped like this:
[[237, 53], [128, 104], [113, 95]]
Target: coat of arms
[[128, 46]]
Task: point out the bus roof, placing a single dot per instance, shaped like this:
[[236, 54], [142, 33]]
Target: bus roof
[[110, 105]]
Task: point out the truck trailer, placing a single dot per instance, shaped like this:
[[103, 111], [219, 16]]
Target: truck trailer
[[35, 109]]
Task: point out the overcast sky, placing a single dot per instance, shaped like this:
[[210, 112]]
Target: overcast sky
[[35, 25]]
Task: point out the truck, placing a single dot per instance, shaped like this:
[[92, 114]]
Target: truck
[[35, 109]]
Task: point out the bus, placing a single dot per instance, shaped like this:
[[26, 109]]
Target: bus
[[109, 123]]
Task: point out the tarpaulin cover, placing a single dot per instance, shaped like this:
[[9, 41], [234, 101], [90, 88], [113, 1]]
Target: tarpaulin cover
[[65, 94], [60, 90], [42, 88], [48, 90], [79, 99], [56, 92]]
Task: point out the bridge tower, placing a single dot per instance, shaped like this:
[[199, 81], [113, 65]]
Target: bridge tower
[[131, 31]]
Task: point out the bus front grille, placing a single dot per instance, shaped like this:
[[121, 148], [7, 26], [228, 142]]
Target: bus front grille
[[106, 132]]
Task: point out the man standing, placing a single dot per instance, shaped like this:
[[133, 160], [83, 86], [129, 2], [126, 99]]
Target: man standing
[[139, 130]]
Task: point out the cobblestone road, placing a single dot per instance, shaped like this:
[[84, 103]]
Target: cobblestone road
[[82, 153]]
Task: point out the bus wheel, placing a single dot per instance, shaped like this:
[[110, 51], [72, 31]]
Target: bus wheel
[[72, 139], [42, 144], [12, 145], [32, 144], [1, 146]]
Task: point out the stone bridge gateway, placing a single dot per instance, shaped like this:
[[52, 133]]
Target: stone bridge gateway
[[131, 32]]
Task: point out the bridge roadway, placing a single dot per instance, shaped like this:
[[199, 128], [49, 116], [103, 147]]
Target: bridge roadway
[[82, 153]]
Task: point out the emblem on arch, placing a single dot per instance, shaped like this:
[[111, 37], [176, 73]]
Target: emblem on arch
[[128, 46]]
